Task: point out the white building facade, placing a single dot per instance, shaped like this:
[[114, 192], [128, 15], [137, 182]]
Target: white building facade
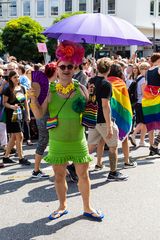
[[144, 14]]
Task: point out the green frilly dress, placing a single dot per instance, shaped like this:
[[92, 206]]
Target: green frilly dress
[[67, 142]]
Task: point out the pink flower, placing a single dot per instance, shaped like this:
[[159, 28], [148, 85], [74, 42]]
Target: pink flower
[[70, 51]]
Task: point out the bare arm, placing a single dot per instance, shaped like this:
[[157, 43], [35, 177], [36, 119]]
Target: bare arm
[[84, 91], [7, 105], [143, 87], [107, 116], [27, 109]]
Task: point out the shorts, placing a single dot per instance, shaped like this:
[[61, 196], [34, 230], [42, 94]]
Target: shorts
[[139, 113], [100, 131]]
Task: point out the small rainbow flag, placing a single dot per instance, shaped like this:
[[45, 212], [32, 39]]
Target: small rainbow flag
[[121, 107], [151, 107], [52, 122]]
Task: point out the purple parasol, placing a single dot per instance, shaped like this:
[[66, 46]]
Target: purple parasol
[[97, 28]]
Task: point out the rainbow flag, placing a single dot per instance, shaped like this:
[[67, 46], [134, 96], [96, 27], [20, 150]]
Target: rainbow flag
[[121, 107], [151, 107], [52, 122]]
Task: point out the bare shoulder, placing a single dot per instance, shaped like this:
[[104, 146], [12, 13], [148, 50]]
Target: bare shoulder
[[84, 91]]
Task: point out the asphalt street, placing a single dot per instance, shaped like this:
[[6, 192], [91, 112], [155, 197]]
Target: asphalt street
[[131, 208]]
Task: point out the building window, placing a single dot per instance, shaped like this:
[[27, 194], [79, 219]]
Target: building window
[[82, 5], [68, 6], [40, 7], [26, 8], [96, 6], [152, 7], [159, 8], [54, 7], [13, 8], [0, 9], [111, 7]]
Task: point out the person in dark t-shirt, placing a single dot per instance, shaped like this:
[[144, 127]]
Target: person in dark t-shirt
[[105, 130]]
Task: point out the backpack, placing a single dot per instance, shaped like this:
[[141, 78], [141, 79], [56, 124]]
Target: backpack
[[132, 90]]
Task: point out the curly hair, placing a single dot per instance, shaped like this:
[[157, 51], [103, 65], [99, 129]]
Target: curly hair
[[50, 69], [70, 51]]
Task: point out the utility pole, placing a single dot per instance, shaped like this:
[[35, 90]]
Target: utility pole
[[154, 37]]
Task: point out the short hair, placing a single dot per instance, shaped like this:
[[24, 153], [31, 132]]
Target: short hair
[[103, 65], [116, 70], [22, 68], [50, 69], [155, 57], [144, 65]]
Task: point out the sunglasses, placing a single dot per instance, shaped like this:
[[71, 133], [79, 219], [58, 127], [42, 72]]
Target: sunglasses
[[1, 75], [63, 67]]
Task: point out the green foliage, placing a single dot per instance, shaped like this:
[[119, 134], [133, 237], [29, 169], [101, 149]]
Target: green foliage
[[1, 43], [20, 37], [66, 15]]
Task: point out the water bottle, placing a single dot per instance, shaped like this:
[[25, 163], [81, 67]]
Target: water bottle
[[19, 113]]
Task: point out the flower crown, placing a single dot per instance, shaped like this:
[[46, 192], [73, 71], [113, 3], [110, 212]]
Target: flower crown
[[70, 51]]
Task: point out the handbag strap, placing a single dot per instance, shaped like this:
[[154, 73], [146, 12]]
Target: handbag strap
[[64, 103]]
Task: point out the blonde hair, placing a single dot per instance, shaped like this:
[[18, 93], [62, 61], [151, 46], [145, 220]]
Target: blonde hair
[[144, 65], [103, 65]]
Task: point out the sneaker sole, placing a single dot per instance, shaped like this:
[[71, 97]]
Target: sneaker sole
[[98, 169], [117, 180], [40, 177], [127, 167]]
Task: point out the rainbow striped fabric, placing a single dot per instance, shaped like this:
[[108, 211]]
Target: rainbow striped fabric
[[151, 107], [52, 122], [89, 116], [121, 107]]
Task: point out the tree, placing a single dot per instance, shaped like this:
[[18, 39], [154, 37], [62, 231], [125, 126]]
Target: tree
[[20, 37], [1, 43]]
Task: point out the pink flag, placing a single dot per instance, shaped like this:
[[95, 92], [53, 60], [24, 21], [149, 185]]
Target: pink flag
[[42, 47]]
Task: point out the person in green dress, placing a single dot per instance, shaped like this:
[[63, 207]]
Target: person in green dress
[[67, 141]]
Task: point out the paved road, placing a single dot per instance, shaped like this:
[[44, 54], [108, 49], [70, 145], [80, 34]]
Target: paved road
[[131, 208]]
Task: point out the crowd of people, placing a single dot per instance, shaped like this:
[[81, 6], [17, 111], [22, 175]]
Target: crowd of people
[[127, 94]]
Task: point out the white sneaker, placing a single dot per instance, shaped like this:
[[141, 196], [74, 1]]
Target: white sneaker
[[130, 165], [143, 144], [39, 174]]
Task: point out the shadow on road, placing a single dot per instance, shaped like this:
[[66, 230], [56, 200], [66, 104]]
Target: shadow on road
[[12, 185], [27, 231]]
